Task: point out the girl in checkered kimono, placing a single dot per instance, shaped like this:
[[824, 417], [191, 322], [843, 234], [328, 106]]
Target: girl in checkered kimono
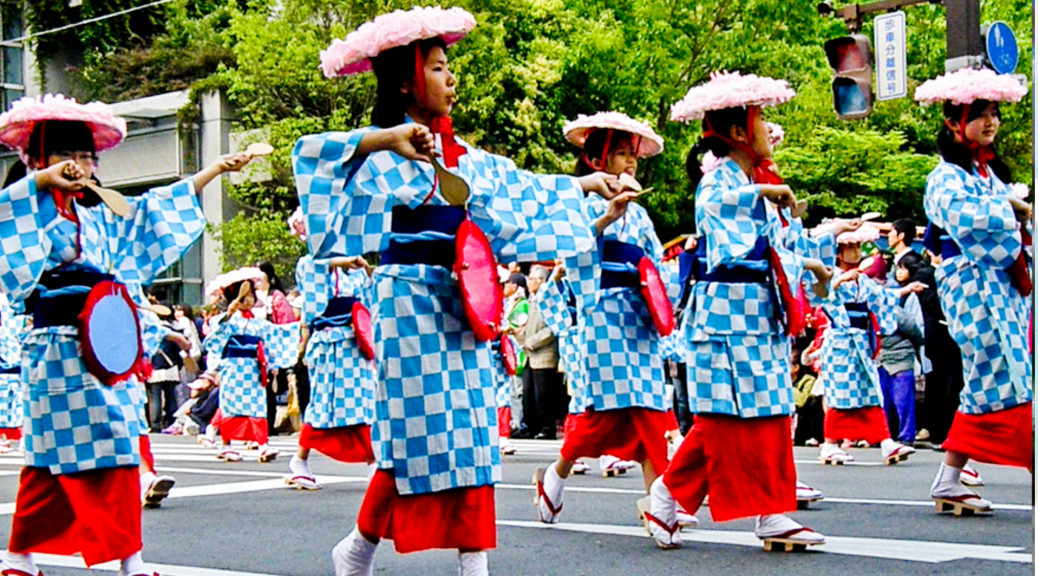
[[247, 347], [338, 418], [79, 488], [628, 414], [373, 190], [859, 310], [737, 352], [12, 328], [983, 281]]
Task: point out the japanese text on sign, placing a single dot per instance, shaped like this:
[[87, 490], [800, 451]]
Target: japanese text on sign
[[891, 61]]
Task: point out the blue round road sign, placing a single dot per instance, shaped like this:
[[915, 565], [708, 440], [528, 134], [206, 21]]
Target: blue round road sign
[[1003, 52]]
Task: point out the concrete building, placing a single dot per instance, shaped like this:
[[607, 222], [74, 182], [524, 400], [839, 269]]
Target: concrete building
[[158, 150]]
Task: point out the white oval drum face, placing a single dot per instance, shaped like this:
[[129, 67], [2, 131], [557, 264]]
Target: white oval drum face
[[113, 334]]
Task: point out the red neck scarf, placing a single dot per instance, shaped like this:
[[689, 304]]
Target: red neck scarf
[[444, 126]]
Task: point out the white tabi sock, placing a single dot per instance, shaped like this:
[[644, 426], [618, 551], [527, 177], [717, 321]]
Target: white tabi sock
[[354, 555], [473, 564], [21, 562], [946, 483], [299, 467], [133, 565]]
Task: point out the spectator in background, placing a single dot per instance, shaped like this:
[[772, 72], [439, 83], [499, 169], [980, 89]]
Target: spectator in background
[[542, 351], [896, 362], [516, 313], [184, 321], [165, 375], [900, 238]]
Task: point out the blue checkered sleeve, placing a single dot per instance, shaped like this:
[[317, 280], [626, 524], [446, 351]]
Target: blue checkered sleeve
[[729, 212], [22, 235], [312, 279], [280, 343], [979, 220], [529, 217], [323, 165], [219, 333], [551, 301], [162, 225]]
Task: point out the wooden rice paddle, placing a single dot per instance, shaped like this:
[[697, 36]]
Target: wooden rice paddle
[[454, 190], [114, 200], [259, 149]]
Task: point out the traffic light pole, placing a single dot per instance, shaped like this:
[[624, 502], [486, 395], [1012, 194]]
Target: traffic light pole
[[965, 45]]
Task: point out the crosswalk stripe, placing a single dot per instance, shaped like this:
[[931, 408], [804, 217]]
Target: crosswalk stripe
[[910, 550]]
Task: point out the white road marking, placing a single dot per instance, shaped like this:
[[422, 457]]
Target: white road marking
[[926, 503], [252, 486], [113, 566], [910, 550]]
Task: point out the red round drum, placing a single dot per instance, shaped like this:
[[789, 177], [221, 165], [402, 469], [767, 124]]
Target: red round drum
[[110, 333], [481, 294], [655, 294], [362, 330]]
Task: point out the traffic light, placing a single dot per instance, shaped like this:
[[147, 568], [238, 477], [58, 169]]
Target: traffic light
[[850, 57]]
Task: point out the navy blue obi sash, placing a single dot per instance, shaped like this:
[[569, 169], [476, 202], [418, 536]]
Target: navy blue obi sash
[[858, 312], [938, 241], [61, 295], [423, 235], [12, 369], [620, 264], [756, 269], [338, 313], [241, 346]]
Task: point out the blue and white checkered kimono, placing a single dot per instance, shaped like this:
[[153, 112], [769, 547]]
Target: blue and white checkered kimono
[[849, 373], [12, 328], [986, 316], [502, 379], [553, 301], [435, 409], [617, 337], [65, 433], [738, 356], [342, 380], [241, 392]]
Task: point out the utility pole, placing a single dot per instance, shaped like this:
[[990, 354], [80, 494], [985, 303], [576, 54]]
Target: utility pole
[[965, 47]]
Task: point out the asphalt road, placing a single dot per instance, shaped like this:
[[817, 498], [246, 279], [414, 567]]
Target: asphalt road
[[241, 520]]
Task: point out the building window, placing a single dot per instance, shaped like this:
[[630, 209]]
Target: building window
[[12, 64]]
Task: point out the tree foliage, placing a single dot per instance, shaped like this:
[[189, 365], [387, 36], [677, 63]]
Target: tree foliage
[[531, 64]]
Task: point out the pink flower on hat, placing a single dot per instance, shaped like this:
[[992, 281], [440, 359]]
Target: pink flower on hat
[[16, 124], [865, 233], [296, 225], [967, 85], [730, 90], [578, 130], [398, 28]]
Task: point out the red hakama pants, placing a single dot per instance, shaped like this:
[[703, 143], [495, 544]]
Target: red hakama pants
[[637, 434], [1002, 437], [345, 444], [244, 428], [462, 519], [95, 513], [868, 424], [744, 464]]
